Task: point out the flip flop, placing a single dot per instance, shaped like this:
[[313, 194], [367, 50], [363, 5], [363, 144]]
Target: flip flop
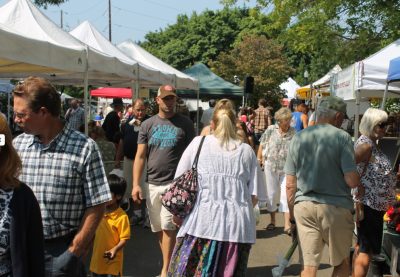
[[271, 227], [288, 232]]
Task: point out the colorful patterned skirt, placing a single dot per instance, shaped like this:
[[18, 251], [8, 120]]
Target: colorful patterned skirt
[[208, 258]]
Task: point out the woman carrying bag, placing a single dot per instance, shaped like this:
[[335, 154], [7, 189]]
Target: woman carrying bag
[[216, 237], [378, 188]]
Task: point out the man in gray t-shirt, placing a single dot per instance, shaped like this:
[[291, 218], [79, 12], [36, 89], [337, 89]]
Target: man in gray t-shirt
[[162, 140], [321, 165]]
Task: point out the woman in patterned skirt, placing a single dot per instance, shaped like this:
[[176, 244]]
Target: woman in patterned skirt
[[378, 187], [215, 239]]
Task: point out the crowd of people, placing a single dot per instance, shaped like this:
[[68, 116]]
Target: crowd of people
[[57, 200]]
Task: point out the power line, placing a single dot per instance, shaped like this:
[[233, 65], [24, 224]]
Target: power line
[[103, 15], [165, 6], [85, 10], [122, 26], [144, 15]]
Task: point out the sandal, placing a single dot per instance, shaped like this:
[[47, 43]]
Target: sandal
[[271, 227], [288, 232]]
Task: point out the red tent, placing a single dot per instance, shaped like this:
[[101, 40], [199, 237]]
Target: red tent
[[112, 93], [285, 102]]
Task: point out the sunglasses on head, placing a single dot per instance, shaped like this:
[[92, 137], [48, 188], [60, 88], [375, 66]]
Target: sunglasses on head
[[382, 125]]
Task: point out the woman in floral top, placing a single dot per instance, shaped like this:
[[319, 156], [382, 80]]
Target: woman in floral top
[[274, 145], [378, 188]]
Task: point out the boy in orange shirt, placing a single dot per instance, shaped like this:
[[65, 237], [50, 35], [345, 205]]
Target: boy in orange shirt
[[112, 234]]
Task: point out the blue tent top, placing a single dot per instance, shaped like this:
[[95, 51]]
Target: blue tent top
[[394, 70]]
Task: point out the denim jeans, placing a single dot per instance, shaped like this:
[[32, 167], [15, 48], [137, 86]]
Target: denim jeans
[[60, 261]]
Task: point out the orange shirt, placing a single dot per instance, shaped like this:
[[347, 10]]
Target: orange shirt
[[113, 228]]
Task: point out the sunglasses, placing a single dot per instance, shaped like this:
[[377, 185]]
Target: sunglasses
[[382, 125]]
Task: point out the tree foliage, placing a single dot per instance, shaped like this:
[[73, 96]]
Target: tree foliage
[[202, 37], [352, 29], [261, 58], [46, 3]]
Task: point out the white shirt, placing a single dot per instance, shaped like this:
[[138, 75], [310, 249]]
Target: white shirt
[[207, 117], [226, 181]]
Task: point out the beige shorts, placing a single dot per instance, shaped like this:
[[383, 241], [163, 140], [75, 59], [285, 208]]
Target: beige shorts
[[160, 218], [319, 224], [128, 176]]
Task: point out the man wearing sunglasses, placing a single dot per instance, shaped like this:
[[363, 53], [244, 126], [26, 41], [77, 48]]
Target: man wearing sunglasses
[[321, 165]]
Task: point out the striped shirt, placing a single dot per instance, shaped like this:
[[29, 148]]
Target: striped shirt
[[67, 176], [261, 119]]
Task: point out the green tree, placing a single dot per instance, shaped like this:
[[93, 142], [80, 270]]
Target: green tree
[[46, 3], [261, 58], [202, 37], [349, 28]]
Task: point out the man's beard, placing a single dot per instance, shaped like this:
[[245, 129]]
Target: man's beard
[[21, 125]]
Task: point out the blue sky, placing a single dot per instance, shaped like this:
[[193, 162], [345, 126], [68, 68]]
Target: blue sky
[[136, 17]]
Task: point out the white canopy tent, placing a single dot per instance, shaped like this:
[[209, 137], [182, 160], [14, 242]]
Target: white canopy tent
[[367, 78], [290, 86], [182, 81]]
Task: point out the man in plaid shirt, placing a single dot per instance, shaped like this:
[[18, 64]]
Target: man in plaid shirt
[[63, 167], [75, 115], [262, 120]]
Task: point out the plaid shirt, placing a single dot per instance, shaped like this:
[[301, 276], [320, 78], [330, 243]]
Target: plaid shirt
[[76, 118], [67, 176], [261, 120]]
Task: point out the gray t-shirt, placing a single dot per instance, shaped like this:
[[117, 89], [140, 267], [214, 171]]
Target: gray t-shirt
[[319, 156], [166, 139]]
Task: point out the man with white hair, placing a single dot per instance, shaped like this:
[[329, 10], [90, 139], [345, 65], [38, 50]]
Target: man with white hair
[[321, 165]]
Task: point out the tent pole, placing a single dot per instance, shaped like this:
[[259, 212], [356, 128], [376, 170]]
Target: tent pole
[[85, 95], [137, 84], [8, 106], [197, 124], [357, 116], [385, 96], [90, 103], [132, 88], [243, 102]]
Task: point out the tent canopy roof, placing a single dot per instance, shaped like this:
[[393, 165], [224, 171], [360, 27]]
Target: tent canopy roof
[[211, 85], [183, 81], [290, 85], [394, 70]]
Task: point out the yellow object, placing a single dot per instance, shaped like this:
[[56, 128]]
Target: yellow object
[[305, 93], [113, 228]]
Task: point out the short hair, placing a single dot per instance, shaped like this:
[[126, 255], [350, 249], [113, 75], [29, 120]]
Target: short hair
[[10, 162], [370, 118], [39, 93], [138, 100], [324, 112], [283, 113], [302, 108], [117, 185], [98, 131], [92, 124], [262, 102]]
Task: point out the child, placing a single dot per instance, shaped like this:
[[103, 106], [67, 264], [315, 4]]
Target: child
[[112, 234]]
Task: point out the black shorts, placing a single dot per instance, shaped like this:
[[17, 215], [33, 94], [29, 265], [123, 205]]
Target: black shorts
[[369, 234]]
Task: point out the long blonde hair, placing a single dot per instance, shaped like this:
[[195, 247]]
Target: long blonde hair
[[224, 103], [10, 163], [224, 121]]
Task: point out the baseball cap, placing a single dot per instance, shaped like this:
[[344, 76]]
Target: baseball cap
[[335, 103], [212, 103], [166, 90]]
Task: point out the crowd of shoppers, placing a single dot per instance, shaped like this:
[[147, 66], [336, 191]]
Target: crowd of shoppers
[[56, 200]]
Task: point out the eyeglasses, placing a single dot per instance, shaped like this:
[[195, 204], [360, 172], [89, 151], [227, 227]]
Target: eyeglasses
[[21, 116], [382, 125], [285, 120]]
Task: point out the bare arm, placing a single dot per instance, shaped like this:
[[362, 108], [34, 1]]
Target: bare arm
[[291, 188], [121, 244], [89, 223], [304, 119], [352, 179], [138, 168], [254, 200], [251, 140], [120, 153], [259, 154], [253, 113], [241, 134], [362, 152]]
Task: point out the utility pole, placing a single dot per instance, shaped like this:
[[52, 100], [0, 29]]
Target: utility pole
[[61, 20], [109, 17]]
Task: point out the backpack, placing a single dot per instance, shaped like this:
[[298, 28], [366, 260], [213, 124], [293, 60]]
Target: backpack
[[250, 128]]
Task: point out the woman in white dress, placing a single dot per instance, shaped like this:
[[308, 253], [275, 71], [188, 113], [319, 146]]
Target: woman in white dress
[[216, 237]]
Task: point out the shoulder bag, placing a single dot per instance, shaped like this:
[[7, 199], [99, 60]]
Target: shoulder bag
[[358, 206], [180, 197]]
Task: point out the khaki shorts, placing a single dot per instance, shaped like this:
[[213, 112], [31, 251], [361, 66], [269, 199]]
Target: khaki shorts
[[128, 176], [160, 217], [319, 224]]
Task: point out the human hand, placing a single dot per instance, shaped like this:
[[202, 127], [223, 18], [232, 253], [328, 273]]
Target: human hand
[[137, 194], [177, 221], [293, 231], [113, 253], [85, 252], [117, 164], [360, 192]]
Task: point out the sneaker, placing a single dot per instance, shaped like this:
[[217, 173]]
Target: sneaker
[[146, 223], [134, 220]]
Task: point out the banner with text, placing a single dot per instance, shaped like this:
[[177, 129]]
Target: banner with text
[[343, 83]]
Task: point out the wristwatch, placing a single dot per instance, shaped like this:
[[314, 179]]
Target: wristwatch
[[292, 221]]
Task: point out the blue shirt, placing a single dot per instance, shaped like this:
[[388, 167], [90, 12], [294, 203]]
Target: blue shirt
[[296, 121]]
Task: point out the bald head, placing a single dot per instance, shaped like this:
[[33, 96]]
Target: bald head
[[74, 104], [139, 109]]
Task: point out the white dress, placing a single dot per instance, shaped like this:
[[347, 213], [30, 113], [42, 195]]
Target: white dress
[[226, 181]]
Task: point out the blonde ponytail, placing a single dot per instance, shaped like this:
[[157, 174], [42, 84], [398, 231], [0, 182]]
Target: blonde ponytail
[[224, 120]]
